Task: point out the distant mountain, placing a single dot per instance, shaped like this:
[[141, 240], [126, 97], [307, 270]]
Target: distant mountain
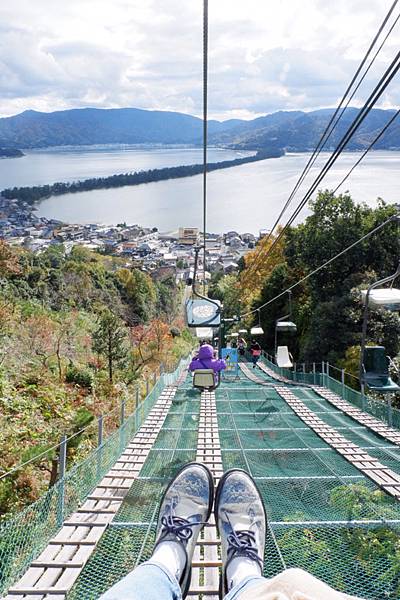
[[32, 129], [290, 130], [298, 131]]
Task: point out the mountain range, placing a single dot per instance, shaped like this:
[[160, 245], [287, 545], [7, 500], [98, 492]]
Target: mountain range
[[289, 130]]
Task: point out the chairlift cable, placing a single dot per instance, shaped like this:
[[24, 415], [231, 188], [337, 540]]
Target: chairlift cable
[[325, 264], [393, 118], [331, 124], [373, 98], [205, 131]]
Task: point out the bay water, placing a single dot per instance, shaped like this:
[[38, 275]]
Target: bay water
[[244, 198]]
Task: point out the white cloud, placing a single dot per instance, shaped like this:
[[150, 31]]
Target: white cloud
[[264, 56]]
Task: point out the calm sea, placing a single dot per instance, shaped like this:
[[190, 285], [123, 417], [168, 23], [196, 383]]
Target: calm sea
[[245, 198]]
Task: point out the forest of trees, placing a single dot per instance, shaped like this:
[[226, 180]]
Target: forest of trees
[[77, 335], [40, 192], [327, 307]]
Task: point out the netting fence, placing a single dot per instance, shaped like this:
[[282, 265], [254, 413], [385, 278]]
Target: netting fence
[[129, 538], [324, 515], [381, 409], [24, 535]]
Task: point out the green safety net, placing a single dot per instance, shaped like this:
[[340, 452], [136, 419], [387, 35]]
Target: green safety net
[[24, 535], [129, 540], [323, 515], [380, 409]]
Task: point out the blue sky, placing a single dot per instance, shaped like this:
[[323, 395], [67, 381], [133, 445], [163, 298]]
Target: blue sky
[[265, 55]]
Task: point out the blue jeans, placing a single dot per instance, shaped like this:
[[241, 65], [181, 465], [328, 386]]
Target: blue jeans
[[151, 581]]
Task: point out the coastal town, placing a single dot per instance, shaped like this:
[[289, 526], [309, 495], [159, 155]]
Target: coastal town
[[142, 247]]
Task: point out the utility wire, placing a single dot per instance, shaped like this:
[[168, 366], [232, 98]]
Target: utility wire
[[205, 132], [332, 123], [373, 98], [396, 114], [325, 264]]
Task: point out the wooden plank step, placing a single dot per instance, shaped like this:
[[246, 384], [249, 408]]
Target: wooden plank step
[[106, 498], [115, 486], [57, 565], [31, 591], [85, 523], [73, 542], [97, 511], [207, 563]]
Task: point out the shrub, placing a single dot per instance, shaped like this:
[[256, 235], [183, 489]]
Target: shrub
[[81, 377]]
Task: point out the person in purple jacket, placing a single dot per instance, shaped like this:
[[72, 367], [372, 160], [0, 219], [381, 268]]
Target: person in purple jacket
[[205, 360]]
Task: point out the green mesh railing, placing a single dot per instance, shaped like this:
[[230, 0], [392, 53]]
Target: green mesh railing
[[26, 534], [295, 376], [380, 409], [324, 515]]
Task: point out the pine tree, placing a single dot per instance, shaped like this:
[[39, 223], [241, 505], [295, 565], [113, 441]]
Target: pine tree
[[109, 340]]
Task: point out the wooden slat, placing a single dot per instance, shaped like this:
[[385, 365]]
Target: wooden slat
[[383, 476]]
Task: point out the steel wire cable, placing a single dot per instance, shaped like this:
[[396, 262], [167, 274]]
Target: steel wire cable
[[332, 123], [205, 131], [325, 264], [373, 98], [393, 118]]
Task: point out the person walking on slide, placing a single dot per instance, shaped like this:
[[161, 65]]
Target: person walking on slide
[[255, 350], [240, 517]]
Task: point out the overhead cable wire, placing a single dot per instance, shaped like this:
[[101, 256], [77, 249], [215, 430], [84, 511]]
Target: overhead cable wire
[[373, 98], [332, 123], [363, 155], [325, 264], [205, 130]]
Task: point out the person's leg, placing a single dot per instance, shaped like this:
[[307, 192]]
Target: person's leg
[[241, 522], [149, 581], [184, 509]]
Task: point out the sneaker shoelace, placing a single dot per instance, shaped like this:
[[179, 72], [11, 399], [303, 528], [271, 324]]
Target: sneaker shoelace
[[243, 543], [178, 526]]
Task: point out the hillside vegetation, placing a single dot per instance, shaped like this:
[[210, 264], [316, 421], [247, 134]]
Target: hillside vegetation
[[78, 333], [284, 130], [327, 307]]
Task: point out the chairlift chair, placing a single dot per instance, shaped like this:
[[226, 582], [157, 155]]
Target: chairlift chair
[[284, 324], [206, 379], [374, 363], [376, 370], [204, 333], [283, 357], [257, 330]]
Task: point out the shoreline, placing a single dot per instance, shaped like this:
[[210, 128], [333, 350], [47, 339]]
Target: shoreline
[[33, 195]]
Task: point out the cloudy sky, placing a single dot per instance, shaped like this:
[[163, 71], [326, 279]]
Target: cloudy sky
[[265, 55]]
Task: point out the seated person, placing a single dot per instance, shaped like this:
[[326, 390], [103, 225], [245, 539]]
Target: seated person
[[241, 522], [205, 360]]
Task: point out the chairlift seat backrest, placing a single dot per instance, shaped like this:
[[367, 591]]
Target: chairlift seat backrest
[[283, 358], [203, 378], [376, 370], [286, 326], [376, 361]]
